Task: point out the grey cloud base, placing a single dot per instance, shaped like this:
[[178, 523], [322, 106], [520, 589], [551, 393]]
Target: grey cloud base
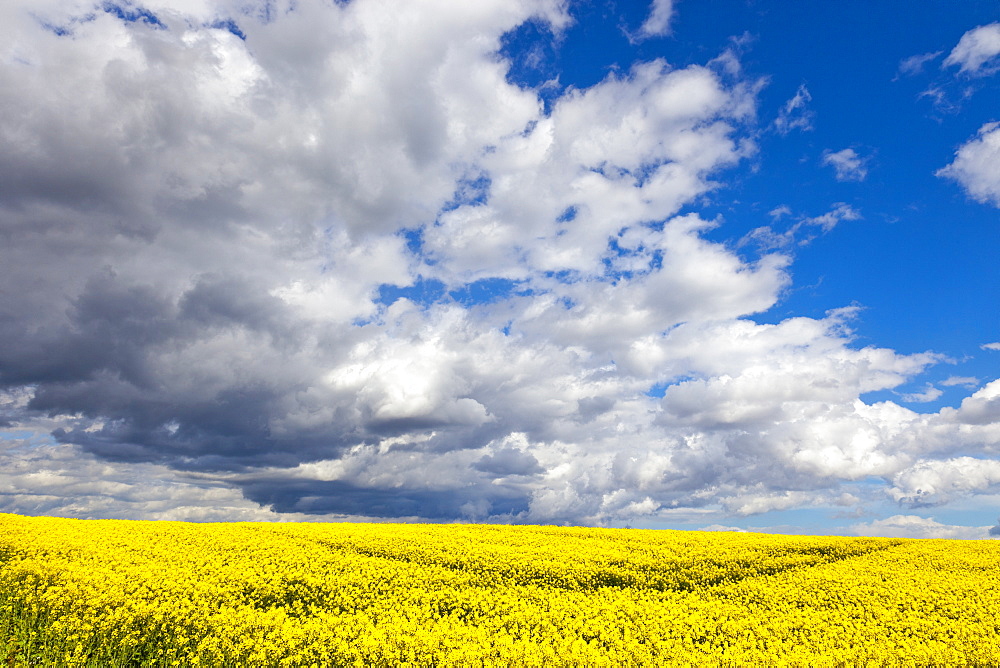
[[197, 228]]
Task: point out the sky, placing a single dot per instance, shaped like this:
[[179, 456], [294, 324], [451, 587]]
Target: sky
[[724, 265]]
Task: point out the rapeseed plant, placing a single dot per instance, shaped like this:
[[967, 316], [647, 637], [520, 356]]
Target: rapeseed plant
[[117, 593]]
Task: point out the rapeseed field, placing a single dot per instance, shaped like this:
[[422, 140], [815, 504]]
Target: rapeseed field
[[125, 593]]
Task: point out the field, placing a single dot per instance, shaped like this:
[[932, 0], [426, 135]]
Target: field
[[120, 593]]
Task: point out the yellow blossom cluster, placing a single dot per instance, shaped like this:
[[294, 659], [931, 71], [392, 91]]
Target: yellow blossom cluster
[[126, 593]]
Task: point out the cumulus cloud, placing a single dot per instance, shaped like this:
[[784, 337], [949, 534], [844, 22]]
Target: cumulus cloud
[[795, 114], [658, 21], [848, 165], [983, 407], [241, 240], [914, 526], [991, 346], [975, 166], [976, 51], [933, 482]]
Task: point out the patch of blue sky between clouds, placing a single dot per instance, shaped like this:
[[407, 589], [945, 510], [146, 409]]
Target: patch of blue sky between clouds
[[471, 190], [657, 390], [426, 292], [564, 276], [129, 12], [415, 243], [230, 26], [133, 13], [531, 49], [18, 435], [488, 290]]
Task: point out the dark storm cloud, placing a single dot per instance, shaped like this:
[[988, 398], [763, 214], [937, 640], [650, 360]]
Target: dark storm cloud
[[228, 301], [322, 497], [105, 362], [508, 461], [106, 328]]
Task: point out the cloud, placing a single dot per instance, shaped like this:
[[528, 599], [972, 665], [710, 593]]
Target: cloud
[[509, 461], [983, 407], [991, 346], [933, 482], [944, 99], [795, 115], [976, 55], [914, 526], [217, 308], [848, 165], [658, 21], [628, 150], [978, 47], [835, 216], [780, 212], [721, 527], [803, 231], [915, 64], [975, 166], [930, 393], [960, 381], [40, 477]]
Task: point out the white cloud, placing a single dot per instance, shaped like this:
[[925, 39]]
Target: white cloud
[[721, 527], [658, 21], [934, 482], [780, 212], [915, 64], [755, 504], [978, 47], [804, 229], [629, 150], [848, 165], [835, 216], [795, 115], [991, 346], [983, 407], [914, 526], [977, 166], [960, 381], [929, 393]]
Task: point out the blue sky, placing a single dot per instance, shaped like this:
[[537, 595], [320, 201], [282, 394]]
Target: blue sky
[[921, 244], [657, 264]]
